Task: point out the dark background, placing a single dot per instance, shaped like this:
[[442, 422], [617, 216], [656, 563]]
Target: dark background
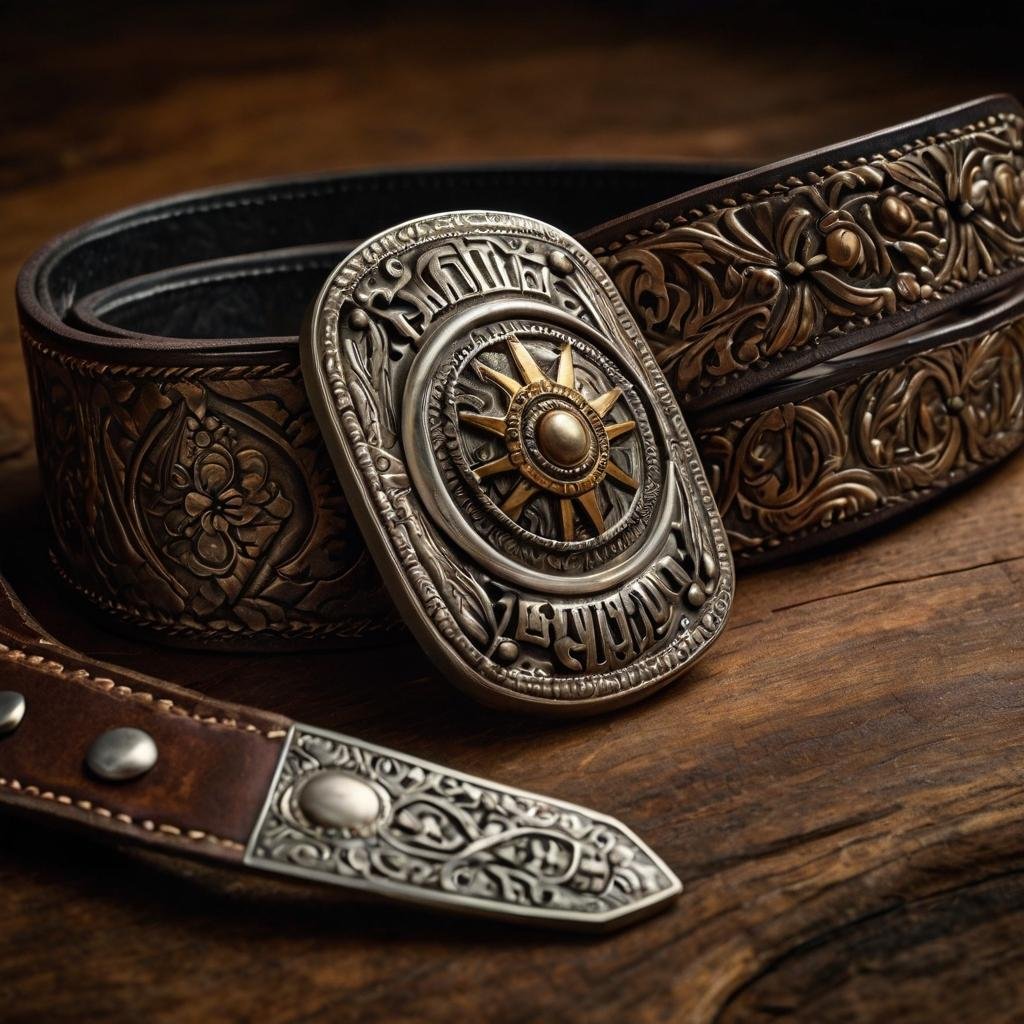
[[839, 785], [304, 85]]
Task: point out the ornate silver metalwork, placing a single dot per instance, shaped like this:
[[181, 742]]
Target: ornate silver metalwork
[[518, 464], [12, 710], [450, 840], [119, 755]]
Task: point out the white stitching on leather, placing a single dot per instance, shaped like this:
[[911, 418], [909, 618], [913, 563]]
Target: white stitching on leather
[[190, 835], [163, 704]]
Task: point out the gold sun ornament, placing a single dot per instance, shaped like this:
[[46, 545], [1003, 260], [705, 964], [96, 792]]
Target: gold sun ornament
[[555, 439]]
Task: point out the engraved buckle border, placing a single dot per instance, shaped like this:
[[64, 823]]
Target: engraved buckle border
[[360, 467]]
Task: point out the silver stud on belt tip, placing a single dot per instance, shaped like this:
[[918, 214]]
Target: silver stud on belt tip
[[122, 754], [339, 800]]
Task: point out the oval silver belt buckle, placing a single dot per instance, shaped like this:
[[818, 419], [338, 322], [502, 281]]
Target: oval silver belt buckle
[[517, 463]]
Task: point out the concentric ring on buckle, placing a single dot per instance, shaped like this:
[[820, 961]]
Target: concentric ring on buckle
[[517, 463]]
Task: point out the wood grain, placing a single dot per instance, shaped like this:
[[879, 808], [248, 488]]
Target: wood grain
[[840, 785]]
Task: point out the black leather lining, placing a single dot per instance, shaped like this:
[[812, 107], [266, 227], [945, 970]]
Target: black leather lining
[[315, 210], [238, 297], [227, 274]]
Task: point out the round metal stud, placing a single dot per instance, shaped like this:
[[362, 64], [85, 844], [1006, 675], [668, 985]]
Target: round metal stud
[[563, 438], [122, 754], [12, 710], [507, 651], [339, 800], [559, 263]]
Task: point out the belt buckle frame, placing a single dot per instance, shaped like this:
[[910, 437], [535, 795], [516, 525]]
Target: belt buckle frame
[[517, 462]]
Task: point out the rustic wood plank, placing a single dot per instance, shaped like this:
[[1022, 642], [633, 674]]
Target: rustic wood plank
[[840, 786]]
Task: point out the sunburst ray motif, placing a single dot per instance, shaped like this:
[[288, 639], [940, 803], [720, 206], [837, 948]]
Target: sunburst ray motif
[[555, 439]]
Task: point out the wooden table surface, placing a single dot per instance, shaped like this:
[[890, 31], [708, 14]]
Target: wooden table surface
[[840, 785]]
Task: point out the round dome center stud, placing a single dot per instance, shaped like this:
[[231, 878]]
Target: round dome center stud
[[554, 438], [563, 438], [337, 799]]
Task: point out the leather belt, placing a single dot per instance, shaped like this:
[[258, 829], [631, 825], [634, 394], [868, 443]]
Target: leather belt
[[841, 329], [844, 331]]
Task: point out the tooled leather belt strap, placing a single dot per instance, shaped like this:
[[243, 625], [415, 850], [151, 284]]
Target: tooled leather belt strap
[[842, 331], [484, 410]]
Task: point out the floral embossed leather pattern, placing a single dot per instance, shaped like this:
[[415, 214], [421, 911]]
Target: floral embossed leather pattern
[[200, 503], [870, 446], [766, 274]]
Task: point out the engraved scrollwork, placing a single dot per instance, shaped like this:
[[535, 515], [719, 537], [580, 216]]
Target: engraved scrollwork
[[943, 410], [200, 504], [774, 272], [786, 460], [870, 445], [447, 838]]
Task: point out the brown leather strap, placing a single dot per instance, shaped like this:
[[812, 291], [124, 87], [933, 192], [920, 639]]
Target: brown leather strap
[[216, 761], [820, 458], [839, 328]]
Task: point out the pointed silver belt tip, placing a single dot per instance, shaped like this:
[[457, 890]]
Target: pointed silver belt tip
[[348, 813]]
